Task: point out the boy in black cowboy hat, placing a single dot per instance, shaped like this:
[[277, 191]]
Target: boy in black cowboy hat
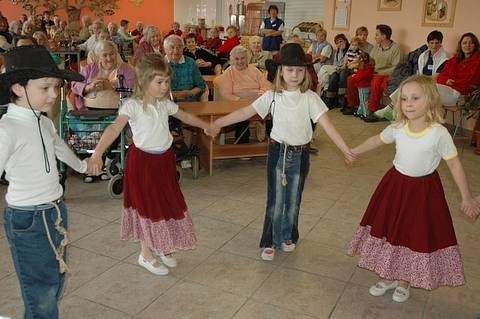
[[35, 217]]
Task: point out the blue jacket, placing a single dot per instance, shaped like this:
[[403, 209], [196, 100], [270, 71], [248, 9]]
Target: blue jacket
[[272, 43]]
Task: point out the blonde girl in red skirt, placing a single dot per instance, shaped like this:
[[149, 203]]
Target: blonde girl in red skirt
[[154, 210], [406, 235]]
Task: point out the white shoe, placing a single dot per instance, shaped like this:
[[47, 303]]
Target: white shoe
[[401, 294], [148, 265], [268, 254], [168, 261], [381, 113], [288, 247], [380, 288]]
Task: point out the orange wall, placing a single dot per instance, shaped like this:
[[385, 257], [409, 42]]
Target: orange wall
[[156, 12], [407, 23]]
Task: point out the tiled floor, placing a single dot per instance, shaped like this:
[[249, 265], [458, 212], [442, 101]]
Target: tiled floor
[[225, 277]]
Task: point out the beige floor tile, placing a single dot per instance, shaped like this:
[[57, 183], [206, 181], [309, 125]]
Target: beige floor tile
[[106, 241], [256, 310], [300, 292], [190, 300], [246, 244], [197, 202], [80, 225], [226, 272], [102, 207], [126, 288], [345, 211], [254, 192], [452, 300], [84, 266], [6, 262], [2, 229], [234, 211], [75, 307], [333, 233], [356, 302], [321, 260], [11, 304], [214, 233]]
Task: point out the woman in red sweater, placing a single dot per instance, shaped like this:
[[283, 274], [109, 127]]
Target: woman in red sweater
[[461, 74]]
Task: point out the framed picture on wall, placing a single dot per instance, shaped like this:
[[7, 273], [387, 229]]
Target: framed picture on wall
[[438, 13], [389, 5], [341, 14]]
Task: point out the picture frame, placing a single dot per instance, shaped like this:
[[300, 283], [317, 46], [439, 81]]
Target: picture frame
[[389, 5], [438, 13], [341, 14]]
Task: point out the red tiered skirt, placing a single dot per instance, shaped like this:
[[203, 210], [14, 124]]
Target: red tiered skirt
[[154, 210], [407, 233]]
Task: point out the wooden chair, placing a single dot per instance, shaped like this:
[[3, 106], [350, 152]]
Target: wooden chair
[[455, 110]]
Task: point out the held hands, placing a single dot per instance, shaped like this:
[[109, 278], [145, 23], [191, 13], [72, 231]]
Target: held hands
[[350, 156], [94, 165], [471, 207], [212, 130]]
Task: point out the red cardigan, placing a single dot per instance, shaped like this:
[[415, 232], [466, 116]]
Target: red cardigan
[[466, 73], [228, 45], [364, 76]]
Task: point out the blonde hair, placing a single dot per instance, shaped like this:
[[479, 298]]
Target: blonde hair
[[432, 99], [146, 69], [279, 83]]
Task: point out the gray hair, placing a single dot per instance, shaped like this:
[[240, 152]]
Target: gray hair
[[173, 39], [102, 45], [148, 32], [238, 50], [255, 37], [17, 24]]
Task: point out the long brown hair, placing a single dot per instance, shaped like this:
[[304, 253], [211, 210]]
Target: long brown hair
[[434, 105], [146, 69]]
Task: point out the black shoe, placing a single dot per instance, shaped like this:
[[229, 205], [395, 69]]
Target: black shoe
[[349, 111], [371, 118]]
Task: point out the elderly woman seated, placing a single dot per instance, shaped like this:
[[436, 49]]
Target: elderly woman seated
[[150, 43], [241, 81], [256, 56], [97, 91], [206, 62], [187, 82]]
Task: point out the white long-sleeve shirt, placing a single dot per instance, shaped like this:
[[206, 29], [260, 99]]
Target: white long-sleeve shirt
[[21, 156]]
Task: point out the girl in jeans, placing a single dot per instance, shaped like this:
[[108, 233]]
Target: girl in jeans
[[36, 217], [292, 106]]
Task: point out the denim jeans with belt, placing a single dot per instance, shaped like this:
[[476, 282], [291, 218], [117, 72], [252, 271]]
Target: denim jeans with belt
[[290, 165], [35, 262]]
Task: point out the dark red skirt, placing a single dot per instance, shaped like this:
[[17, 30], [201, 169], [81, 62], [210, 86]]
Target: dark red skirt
[[154, 208], [407, 233]]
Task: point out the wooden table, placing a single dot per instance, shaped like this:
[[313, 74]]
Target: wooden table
[[209, 151]]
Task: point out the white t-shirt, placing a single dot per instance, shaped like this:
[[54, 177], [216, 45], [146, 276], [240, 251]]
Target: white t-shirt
[[150, 126], [419, 153], [22, 157], [291, 112]]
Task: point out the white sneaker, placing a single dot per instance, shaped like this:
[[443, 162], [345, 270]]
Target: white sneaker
[[168, 261], [401, 294], [268, 254], [288, 247], [381, 113], [148, 265], [380, 288]]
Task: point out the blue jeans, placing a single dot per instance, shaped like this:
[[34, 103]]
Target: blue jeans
[[283, 201], [35, 262]]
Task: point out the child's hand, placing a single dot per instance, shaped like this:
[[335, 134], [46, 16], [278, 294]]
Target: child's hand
[[350, 156], [95, 165], [212, 130], [471, 207]]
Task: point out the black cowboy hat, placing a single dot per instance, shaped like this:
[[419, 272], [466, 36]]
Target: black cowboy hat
[[292, 54], [29, 63]]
